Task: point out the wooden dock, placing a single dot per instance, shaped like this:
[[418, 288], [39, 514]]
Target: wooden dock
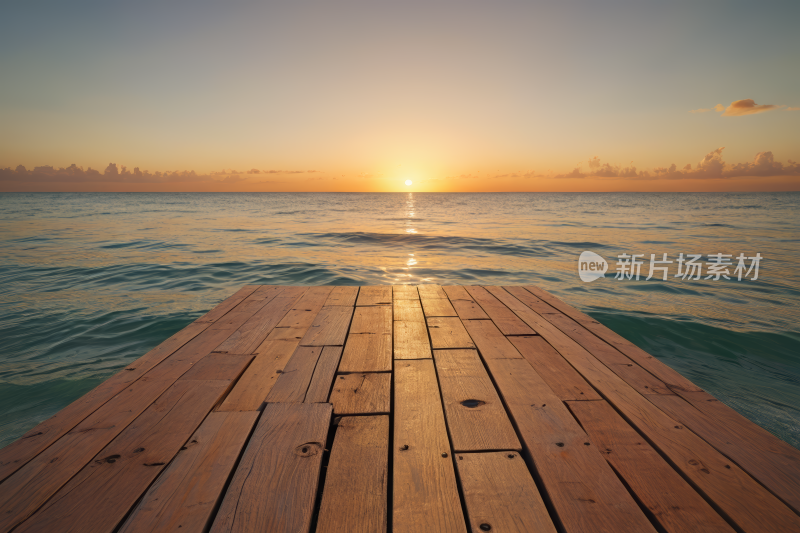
[[403, 409]]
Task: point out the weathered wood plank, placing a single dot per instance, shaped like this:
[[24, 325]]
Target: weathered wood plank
[[475, 415], [405, 292], [500, 493], [469, 310], [292, 384], [228, 303], [122, 471], [456, 292], [411, 341], [375, 320], [565, 381], [490, 341], [185, 495], [359, 394], [354, 498], [17, 454], [329, 327], [503, 317], [275, 484], [438, 307], [448, 332], [250, 392], [431, 291], [247, 338], [674, 504], [345, 296], [320, 387], [367, 352], [770, 460], [584, 491], [424, 489], [408, 311], [302, 313], [375, 295]]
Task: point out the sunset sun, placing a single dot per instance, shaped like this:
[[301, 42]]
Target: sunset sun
[[408, 183]]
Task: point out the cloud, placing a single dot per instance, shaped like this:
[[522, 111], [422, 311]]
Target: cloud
[[719, 107], [711, 166], [746, 107], [793, 109]]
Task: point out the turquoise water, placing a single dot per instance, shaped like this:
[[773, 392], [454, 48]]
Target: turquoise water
[[90, 282]]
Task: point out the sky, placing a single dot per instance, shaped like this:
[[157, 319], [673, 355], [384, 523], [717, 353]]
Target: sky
[[562, 95]]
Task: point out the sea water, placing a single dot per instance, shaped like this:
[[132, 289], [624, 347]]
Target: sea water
[[90, 282]]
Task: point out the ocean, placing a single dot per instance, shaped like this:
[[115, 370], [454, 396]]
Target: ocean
[[91, 281]]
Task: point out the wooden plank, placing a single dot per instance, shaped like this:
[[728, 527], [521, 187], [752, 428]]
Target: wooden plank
[[761, 454], [375, 295], [302, 314], [118, 476], [284, 334], [438, 307], [345, 296], [425, 495], [431, 291], [320, 387], [355, 495], [275, 485], [405, 292], [656, 367], [329, 327], [43, 475], [408, 311], [456, 292], [448, 332], [500, 493], [366, 352], [746, 502], [17, 454], [502, 316], [411, 341], [490, 341], [672, 502], [585, 493], [250, 392], [293, 381], [565, 381], [469, 310], [228, 303], [360, 394], [185, 495], [476, 418], [247, 338], [373, 320]]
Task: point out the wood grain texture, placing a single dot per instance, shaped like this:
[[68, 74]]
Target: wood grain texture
[[490, 341], [185, 495], [320, 387], [329, 327], [36, 440], [354, 498], [408, 311], [367, 352], [375, 320], [359, 394], [476, 417], [565, 381], [584, 491], [469, 310], [674, 504], [275, 485], [411, 341], [431, 291], [500, 492], [115, 479], [302, 313], [374, 295], [250, 392], [448, 332], [345, 296], [456, 292], [437, 307], [292, 384], [228, 303], [504, 318], [405, 292], [424, 488]]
